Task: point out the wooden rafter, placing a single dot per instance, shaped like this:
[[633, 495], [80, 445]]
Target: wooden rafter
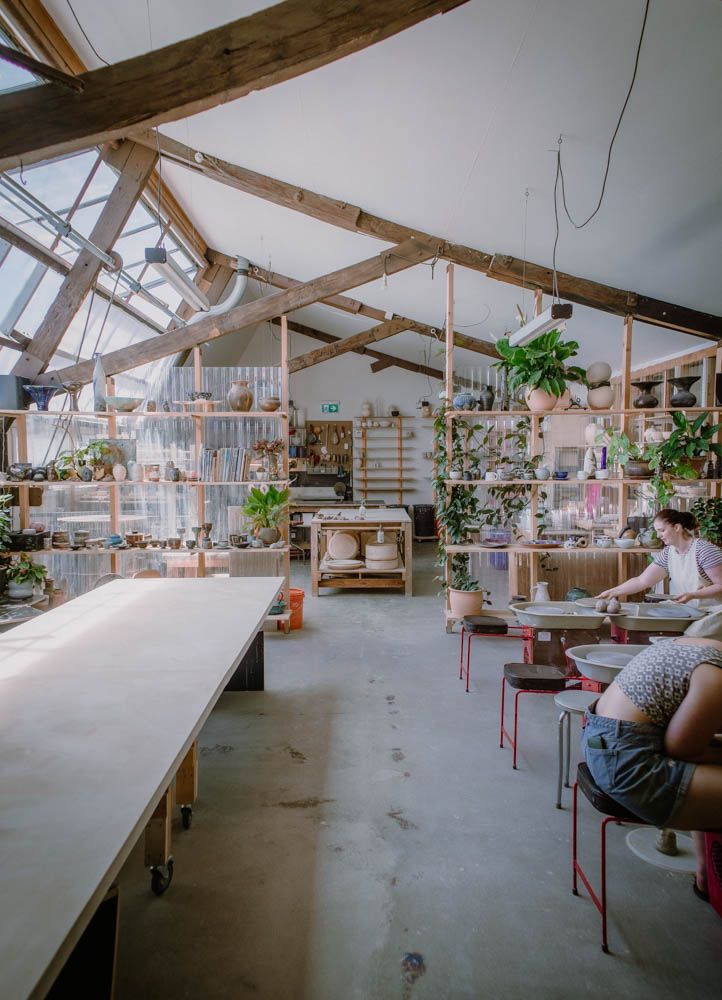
[[385, 360], [41, 69], [502, 267], [388, 328], [356, 308], [398, 258], [195, 74], [33, 26], [136, 164]]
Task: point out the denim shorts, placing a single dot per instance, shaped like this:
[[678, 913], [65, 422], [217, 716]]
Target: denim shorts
[[633, 768]]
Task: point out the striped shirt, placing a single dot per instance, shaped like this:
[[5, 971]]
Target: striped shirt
[[708, 555]]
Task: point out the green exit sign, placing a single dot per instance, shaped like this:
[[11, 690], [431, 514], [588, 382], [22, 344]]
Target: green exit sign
[[329, 407]]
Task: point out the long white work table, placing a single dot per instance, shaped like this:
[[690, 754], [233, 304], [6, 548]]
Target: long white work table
[[100, 701]]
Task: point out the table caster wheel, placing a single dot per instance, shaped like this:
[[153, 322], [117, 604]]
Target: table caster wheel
[[186, 816], [161, 877]]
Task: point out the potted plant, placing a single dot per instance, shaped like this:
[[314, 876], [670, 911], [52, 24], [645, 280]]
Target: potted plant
[[629, 455], [684, 453], [23, 574], [708, 511], [540, 367], [265, 510]]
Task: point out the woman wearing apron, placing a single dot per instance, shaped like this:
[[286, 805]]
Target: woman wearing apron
[[693, 565]]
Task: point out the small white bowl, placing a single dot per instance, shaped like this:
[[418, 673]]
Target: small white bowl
[[625, 543], [601, 474]]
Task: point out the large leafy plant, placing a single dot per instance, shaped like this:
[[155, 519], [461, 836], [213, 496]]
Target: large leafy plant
[[672, 459], [541, 364], [266, 508]]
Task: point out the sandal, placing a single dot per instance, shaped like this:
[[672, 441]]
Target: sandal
[[700, 893]]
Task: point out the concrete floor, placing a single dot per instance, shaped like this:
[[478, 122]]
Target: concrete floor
[[359, 835]]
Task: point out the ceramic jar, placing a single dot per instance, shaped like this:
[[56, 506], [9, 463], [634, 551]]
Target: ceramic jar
[[119, 472], [367, 410], [269, 535], [601, 397], [682, 396], [486, 398], [240, 398], [646, 400]]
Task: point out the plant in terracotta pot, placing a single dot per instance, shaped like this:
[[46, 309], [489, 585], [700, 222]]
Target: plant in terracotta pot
[[540, 367], [265, 511], [684, 453], [23, 574]]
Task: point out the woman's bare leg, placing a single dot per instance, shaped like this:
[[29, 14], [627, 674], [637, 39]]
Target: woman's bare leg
[[700, 876], [702, 805]]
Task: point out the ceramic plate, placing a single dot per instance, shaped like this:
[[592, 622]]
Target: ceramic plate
[[344, 563], [541, 544], [490, 543]]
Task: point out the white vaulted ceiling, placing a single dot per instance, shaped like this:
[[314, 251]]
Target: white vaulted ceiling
[[445, 127]]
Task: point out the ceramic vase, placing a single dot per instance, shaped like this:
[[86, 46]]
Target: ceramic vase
[[41, 394], [18, 591], [99, 389], [646, 399], [682, 396], [269, 535], [486, 398], [464, 401], [240, 398], [119, 472], [600, 397]]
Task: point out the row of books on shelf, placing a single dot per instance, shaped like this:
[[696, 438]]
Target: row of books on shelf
[[226, 465]]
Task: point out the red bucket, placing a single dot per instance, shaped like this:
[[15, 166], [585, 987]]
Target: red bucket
[[295, 601]]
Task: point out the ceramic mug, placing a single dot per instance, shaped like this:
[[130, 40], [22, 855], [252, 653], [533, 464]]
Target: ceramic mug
[[603, 541], [491, 476], [601, 474], [581, 474]]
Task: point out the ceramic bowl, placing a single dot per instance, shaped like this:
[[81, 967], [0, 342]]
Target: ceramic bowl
[[625, 543], [124, 404], [269, 403], [601, 474], [561, 475]]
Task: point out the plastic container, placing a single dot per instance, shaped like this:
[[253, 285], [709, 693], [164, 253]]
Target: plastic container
[[295, 600]]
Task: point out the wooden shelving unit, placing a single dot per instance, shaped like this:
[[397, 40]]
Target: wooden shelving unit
[[390, 475], [198, 557], [624, 417]]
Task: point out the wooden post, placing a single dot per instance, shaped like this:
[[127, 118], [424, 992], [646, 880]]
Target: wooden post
[[538, 306], [285, 407], [198, 427], [23, 492], [449, 387], [718, 436], [400, 461], [114, 490], [534, 507], [622, 499]]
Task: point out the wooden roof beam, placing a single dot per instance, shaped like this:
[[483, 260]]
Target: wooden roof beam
[[502, 267], [389, 328], [136, 164], [356, 308], [384, 360], [398, 258], [195, 74]]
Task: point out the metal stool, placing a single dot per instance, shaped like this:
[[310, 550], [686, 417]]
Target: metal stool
[[528, 678], [485, 626], [570, 702], [613, 813]]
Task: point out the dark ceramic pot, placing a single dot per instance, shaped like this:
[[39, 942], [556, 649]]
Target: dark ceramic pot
[[646, 400], [637, 469], [682, 396]]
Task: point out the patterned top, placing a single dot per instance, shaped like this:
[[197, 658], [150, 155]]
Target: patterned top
[[707, 555], [657, 679]]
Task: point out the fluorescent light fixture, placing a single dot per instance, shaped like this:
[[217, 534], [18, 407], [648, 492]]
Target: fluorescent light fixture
[[164, 264], [542, 323]]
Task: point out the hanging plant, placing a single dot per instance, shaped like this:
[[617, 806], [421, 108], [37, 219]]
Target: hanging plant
[[540, 364]]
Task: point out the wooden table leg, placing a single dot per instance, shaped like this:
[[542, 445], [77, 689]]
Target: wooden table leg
[[157, 845], [408, 558], [314, 560], [186, 784]]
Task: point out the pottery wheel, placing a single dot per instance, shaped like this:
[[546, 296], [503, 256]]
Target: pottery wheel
[[669, 612]]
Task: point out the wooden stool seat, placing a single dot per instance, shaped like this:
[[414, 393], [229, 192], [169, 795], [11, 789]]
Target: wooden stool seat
[[485, 624], [534, 676]]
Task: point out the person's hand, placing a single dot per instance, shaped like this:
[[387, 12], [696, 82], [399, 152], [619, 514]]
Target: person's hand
[[612, 592], [683, 598]]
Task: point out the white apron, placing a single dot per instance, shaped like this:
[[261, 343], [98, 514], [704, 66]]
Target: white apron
[[684, 576]]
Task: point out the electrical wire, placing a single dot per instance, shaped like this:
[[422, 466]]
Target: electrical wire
[[84, 34], [560, 171]]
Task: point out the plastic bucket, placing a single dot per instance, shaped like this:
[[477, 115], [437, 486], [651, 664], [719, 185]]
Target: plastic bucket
[[295, 601]]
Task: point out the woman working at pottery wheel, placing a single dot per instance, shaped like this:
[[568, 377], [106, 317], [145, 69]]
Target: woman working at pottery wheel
[[693, 565], [649, 741]]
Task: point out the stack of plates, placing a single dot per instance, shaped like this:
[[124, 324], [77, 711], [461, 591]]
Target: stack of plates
[[345, 563]]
